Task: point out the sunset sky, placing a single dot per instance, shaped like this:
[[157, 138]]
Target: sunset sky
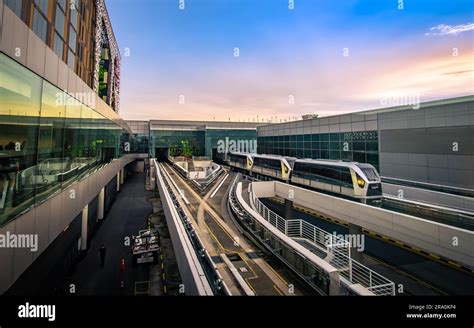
[[169, 55]]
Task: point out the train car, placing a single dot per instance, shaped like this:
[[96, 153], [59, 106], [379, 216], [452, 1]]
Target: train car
[[273, 166], [242, 161], [349, 179]]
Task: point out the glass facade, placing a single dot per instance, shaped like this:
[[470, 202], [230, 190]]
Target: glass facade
[[174, 140], [245, 139], [47, 139], [141, 132], [360, 146], [201, 142]]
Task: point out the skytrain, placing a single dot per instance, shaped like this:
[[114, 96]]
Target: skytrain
[[349, 179]]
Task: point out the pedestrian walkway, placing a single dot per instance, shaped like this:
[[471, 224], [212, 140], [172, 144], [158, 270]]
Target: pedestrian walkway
[[128, 215]]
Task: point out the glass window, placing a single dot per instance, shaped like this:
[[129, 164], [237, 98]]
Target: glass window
[[70, 59], [52, 166], [40, 25], [58, 45], [42, 5], [62, 3], [370, 173], [316, 153], [372, 146], [15, 6], [59, 21], [73, 18], [72, 39], [20, 98]]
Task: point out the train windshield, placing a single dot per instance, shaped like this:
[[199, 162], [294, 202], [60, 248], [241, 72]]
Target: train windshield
[[370, 173]]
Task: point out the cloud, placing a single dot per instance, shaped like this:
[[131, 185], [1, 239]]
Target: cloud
[[443, 29]]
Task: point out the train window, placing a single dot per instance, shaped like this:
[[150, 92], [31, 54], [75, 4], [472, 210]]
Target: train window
[[370, 173], [346, 177]]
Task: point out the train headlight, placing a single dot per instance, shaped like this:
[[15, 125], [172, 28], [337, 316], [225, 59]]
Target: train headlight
[[360, 182]]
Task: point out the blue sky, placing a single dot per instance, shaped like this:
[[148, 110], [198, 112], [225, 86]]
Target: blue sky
[[187, 56]]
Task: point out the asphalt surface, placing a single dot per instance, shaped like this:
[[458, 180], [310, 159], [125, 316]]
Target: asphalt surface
[[128, 215], [213, 221], [418, 275]]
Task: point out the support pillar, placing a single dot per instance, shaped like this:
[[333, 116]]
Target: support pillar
[[288, 209], [85, 217], [151, 171], [118, 181], [101, 204], [122, 175], [357, 242], [334, 284]]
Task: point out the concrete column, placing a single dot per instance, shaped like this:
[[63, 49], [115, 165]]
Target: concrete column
[[288, 209], [356, 238], [85, 216], [122, 174], [101, 204], [334, 284], [118, 181], [151, 176]]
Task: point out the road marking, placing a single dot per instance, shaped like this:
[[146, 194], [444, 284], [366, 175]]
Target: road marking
[[276, 273], [219, 186], [180, 191], [404, 273], [278, 290]]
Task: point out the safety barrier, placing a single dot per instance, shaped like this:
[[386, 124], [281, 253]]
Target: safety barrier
[[323, 276], [336, 248], [201, 188]]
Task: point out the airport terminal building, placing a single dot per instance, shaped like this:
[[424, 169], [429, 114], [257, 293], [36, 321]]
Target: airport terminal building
[[202, 138], [63, 146], [433, 144], [65, 151]]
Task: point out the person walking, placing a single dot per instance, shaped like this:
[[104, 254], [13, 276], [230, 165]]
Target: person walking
[[102, 250]]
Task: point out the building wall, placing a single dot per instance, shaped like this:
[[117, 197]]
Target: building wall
[[351, 137], [80, 35], [202, 136], [57, 149], [421, 144], [432, 144]]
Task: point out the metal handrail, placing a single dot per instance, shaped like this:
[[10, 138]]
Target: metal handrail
[[337, 248]]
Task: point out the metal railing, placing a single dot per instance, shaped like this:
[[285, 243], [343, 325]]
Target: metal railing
[[309, 272], [200, 187], [337, 249]]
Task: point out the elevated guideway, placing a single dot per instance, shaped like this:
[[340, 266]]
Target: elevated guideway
[[330, 269], [248, 269], [443, 240], [199, 273], [458, 199], [201, 176]]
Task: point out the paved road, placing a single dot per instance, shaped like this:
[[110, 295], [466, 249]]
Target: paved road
[[127, 216], [220, 237]]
